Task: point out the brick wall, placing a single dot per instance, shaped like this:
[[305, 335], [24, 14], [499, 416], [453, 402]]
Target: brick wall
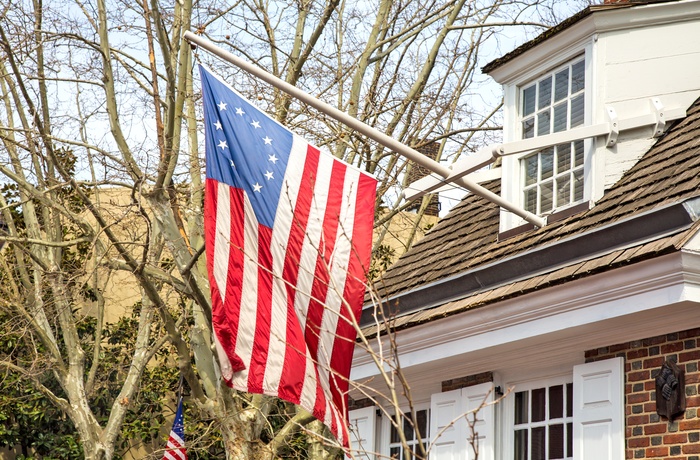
[[648, 435], [467, 381], [430, 150]]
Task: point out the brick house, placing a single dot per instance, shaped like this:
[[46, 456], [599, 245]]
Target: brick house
[[585, 330]]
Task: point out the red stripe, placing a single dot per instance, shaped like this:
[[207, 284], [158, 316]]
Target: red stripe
[[293, 371], [319, 290], [354, 291], [225, 315], [261, 342]]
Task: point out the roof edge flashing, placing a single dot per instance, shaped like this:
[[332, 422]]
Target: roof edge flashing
[[692, 207], [640, 228]]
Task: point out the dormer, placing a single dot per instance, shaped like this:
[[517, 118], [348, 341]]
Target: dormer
[[606, 83]]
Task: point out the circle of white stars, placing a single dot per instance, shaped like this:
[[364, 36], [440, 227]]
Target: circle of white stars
[[223, 145]]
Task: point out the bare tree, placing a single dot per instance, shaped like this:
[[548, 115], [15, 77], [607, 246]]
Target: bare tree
[[101, 162]]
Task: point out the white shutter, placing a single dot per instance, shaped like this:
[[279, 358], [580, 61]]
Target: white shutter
[[362, 430], [475, 397], [448, 428], [599, 427]]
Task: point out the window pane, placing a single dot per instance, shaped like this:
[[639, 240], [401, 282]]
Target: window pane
[[408, 428], [395, 452], [546, 201], [578, 185], [394, 435], [528, 100], [569, 439], [520, 407], [529, 128], [577, 111], [530, 164], [422, 420], [547, 160], [538, 404], [563, 198], [543, 122], [578, 77], [537, 449], [556, 401], [520, 451], [545, 94], [563, 157], [569, 400], [559, 117], [530, 199], [556, 441], [578, 153], [561, 85]]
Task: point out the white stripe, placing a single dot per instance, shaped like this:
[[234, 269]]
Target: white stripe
[[224, 362], [339, 271], [312, 239], [249, 295], [178, 441], [339, 424], [175, 455], [280, 237], [308, 391], [336, 288], [222, 238], [307, 267]]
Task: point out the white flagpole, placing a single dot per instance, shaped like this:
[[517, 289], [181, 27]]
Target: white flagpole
[[363, 128]]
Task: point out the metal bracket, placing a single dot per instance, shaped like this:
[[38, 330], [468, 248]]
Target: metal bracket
[[657, 108], [614, 127]]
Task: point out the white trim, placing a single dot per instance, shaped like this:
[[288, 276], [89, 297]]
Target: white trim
[[557, 47], [650, 289]]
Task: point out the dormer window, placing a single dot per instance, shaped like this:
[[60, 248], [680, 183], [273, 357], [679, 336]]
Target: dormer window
[[552, 178]]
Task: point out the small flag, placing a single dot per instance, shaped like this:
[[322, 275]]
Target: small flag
[[175, 450], [288, 237]]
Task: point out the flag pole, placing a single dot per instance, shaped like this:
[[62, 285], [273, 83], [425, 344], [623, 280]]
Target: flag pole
[[363, 128]]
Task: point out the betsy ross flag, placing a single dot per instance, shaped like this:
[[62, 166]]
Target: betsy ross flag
[[288, 239], [175, 450]]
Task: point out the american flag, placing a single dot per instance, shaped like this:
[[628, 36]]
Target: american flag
[[175, 450], [288, 239]]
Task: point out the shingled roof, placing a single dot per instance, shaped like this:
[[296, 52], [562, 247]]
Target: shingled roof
[[463, 264]]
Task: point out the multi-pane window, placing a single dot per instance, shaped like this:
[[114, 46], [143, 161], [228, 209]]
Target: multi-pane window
[[543, 423], [399, 451], [555, 102], [553, 177]]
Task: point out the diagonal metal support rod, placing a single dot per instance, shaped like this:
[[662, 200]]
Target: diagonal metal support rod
[[363, 128]]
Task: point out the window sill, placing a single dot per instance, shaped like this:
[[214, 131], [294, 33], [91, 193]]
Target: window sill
[[554, 217]]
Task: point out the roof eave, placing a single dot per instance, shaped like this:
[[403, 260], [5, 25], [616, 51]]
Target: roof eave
[[657, 223]]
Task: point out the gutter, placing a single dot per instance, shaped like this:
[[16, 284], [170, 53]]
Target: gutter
[[647, 226]]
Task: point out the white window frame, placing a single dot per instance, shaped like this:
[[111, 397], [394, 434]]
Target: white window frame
[[512, 179], [508, 408]]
